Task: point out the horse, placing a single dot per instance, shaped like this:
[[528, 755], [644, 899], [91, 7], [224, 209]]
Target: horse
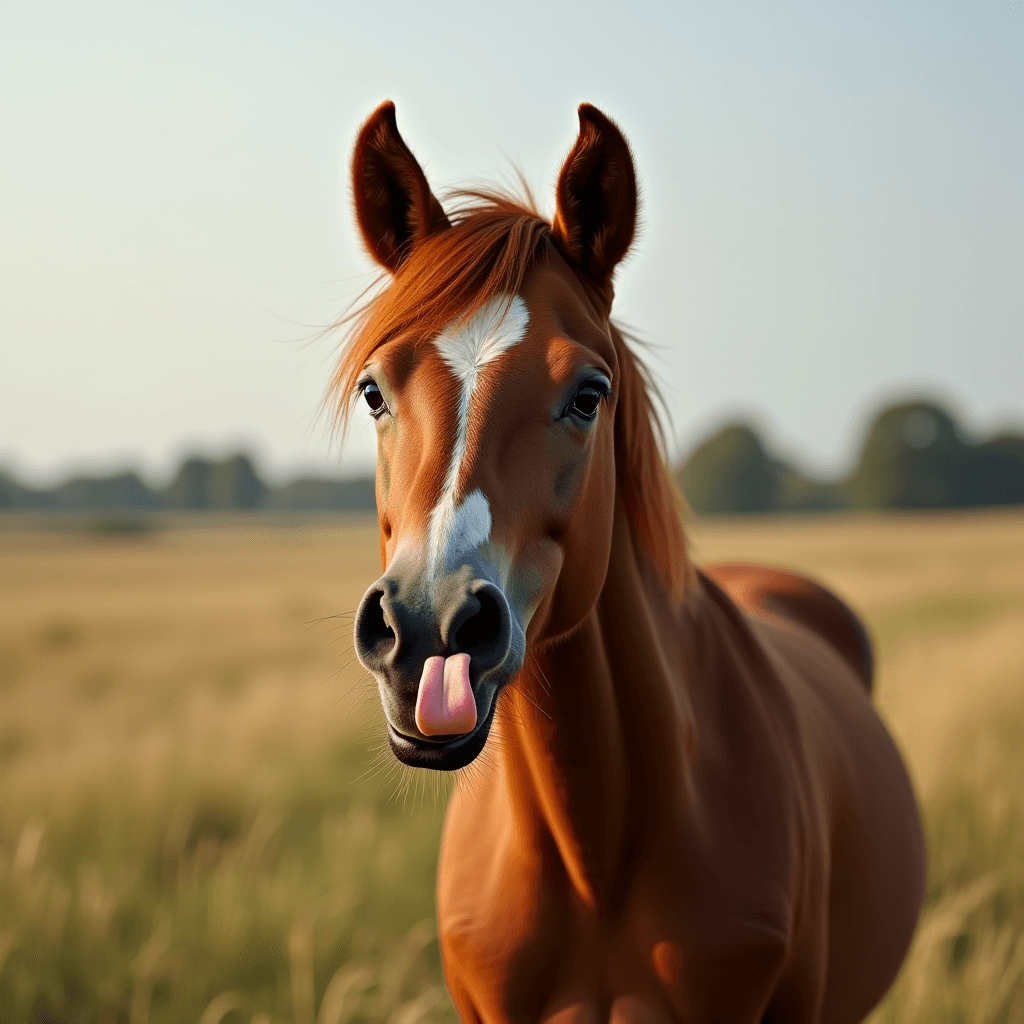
[[677, 802]]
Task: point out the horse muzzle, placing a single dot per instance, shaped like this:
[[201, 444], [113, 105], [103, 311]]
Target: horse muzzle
[[440, 650]]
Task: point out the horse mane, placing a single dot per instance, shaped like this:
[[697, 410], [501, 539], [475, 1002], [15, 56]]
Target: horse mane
[[495, 241]]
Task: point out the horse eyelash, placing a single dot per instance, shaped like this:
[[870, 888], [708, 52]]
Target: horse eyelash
[[361, 386], [599, 384]]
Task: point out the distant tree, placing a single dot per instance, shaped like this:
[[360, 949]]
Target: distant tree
[[234, 484], [13, 495], [731, 472], [231, 484], [995, 474], [191, 487], [122, 492], [915, 455], [309, 494]]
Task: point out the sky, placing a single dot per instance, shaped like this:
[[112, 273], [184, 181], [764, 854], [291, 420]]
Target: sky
[[833, 209]]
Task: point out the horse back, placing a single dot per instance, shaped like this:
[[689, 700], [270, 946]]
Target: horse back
[[791, 597]]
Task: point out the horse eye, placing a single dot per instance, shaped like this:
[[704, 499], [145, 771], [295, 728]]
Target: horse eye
[[374, 399], [586, 402]]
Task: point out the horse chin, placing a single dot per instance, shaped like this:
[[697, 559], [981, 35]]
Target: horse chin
[[442, 755]]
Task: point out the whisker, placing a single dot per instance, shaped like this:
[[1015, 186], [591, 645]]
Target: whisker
[[364, 696], [376, 768], [346, 626], [545, 682], [351, 661], [524, 693], [310, 623]]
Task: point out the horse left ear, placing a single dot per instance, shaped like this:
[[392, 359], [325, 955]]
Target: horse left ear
[[394, 205], [596, 197]]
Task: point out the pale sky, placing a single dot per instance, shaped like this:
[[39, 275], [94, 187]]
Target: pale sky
[[833, 207]]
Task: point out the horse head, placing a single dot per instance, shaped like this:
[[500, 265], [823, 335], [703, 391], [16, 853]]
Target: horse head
[[492, 372]]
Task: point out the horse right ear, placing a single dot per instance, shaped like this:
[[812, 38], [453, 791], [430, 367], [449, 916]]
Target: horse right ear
[[596, 200], [394, 205]]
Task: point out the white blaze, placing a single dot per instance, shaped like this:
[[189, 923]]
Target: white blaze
[[466, 349]]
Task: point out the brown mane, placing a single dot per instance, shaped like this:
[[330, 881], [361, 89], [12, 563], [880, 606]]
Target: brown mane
[[495, 241]]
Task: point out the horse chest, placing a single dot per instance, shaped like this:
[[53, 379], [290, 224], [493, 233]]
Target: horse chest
[[526, 949]]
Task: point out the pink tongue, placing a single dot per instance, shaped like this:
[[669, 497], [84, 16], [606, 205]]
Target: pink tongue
[[445, 704]]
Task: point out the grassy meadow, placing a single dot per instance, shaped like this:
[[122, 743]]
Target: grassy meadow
[[197, 824]]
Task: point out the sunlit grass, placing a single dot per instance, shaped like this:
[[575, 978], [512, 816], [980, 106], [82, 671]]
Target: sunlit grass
[[157, 894], [967, 962], [197, 822]]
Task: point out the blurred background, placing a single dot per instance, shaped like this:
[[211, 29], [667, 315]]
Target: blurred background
[[197, 822]]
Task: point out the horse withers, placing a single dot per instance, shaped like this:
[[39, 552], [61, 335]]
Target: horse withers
[[686, 807]]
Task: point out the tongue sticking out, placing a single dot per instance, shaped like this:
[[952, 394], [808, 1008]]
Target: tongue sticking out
[[445, 704]]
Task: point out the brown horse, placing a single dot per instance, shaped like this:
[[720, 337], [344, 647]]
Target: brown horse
[[688, 808]]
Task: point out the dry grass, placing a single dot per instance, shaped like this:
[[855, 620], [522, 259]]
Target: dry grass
[[185, 834]]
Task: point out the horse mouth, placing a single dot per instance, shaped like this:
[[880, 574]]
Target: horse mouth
[[441, 754]]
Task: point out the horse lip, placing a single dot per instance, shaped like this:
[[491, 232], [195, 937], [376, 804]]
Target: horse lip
[[441, 742], [423, 741], [442, 755]]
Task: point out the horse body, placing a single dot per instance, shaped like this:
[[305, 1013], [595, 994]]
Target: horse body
[[685, 807], [591, 875]]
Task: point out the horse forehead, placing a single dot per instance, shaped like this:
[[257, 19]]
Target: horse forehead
[[471, 351], [468, 346], [542, 342]]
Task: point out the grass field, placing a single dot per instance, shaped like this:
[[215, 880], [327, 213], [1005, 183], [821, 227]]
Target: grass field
[[192, 826]]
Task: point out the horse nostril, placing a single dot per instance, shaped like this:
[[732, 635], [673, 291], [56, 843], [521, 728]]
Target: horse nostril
[[484, 634], [374, 638]]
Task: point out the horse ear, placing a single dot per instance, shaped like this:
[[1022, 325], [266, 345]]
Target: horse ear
[[596, 199], [394, 205]]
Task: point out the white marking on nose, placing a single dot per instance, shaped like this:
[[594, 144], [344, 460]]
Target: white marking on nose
[[466, 349], [471, 525]]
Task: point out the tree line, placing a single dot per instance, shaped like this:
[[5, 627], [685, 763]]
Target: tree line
[[915, 455], [200, 485]]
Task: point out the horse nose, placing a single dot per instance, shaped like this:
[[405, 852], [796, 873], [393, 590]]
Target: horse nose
[[480, 626], [376, 631], [394, 636]]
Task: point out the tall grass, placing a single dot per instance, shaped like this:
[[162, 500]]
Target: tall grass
[[195, 824], [967, 961], [144, 906]]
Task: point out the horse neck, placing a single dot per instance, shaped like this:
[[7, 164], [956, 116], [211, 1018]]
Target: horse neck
[[599, 727]]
